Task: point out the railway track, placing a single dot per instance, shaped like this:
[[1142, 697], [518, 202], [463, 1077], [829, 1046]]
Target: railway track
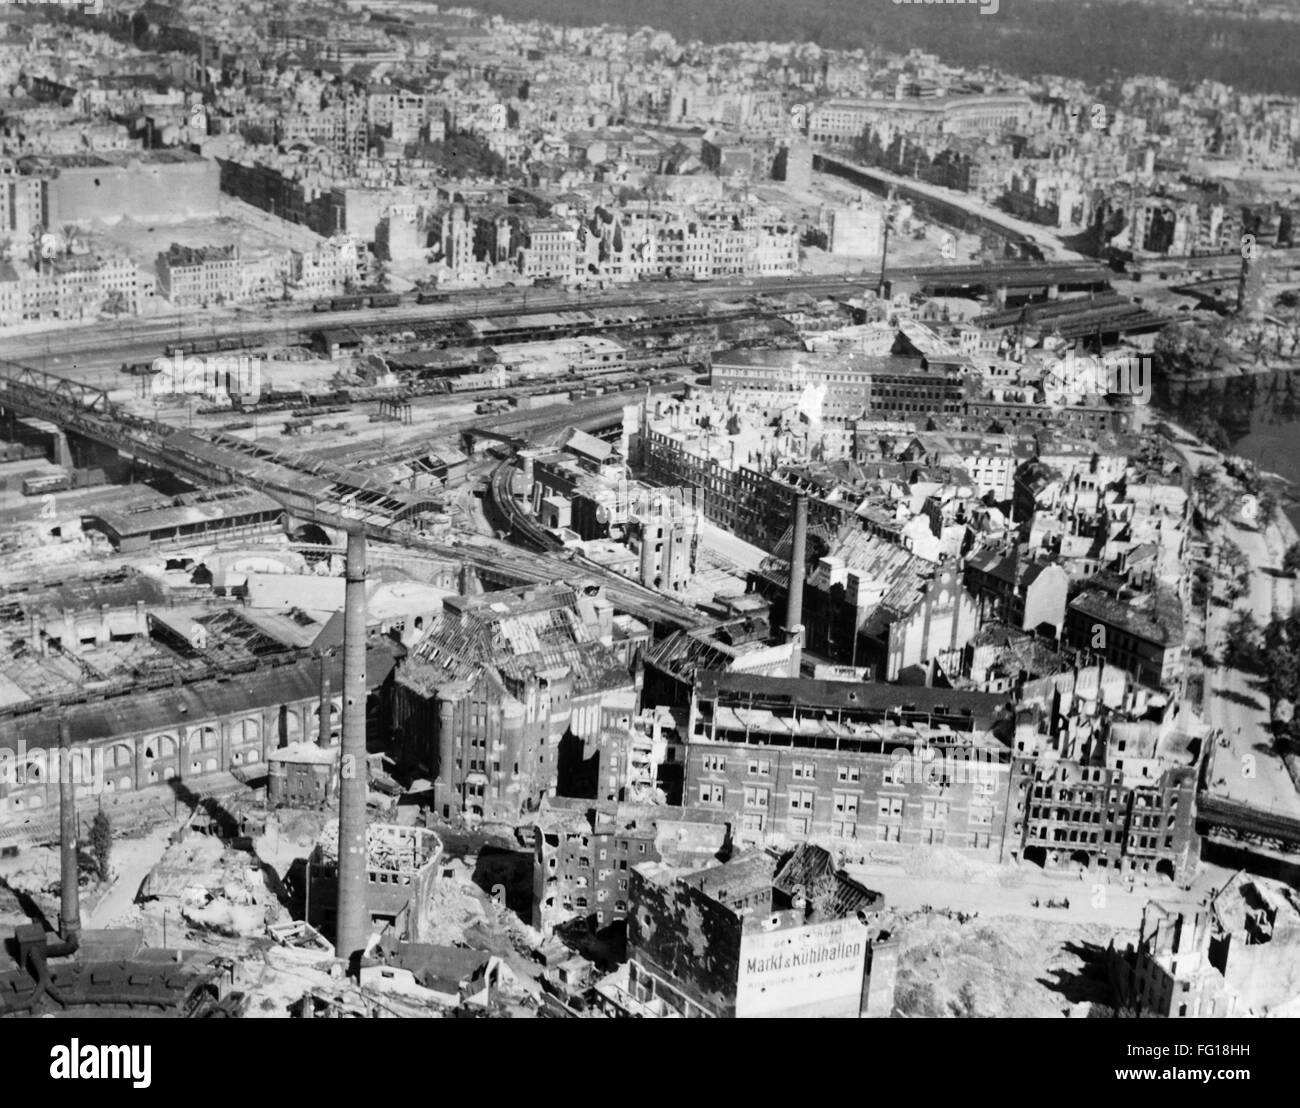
[[627, 594], [318, 492]]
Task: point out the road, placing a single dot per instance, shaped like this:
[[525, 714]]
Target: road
[[1038, 234], [1247, 769], [132, 859], [1010, 890]]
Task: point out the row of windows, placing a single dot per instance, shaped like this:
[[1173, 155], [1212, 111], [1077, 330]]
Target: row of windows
[[1094, 838]]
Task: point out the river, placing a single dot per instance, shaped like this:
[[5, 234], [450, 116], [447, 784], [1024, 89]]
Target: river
[[1275, 448]]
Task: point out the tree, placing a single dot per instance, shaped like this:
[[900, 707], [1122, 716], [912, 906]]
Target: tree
[[1267, 511], [71, 234], [1186, 349], [1234, 558], [115, 303], [1282, 674], [1242, 649], [1208, 430], [101, 842], [255, 134], [1281, 658], [1291, 559], [1207, 491]]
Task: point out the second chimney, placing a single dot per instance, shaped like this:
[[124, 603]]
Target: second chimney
[[353, 922], [69, 871], [798, 567]]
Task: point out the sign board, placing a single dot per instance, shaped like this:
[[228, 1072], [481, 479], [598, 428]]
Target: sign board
[[802, 971]]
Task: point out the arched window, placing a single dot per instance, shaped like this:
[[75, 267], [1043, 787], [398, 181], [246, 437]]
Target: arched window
[[160, 746]]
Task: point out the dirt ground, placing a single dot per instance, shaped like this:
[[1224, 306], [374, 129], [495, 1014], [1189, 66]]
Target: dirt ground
[[1005, 966]]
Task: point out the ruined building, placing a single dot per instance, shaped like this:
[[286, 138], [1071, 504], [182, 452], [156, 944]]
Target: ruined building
[[753, 937], [509, 694], [1235, 956], [1103, 777], [401, 867], [583, 853]]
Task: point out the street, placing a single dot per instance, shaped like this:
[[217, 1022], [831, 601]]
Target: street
[[1247, 769]]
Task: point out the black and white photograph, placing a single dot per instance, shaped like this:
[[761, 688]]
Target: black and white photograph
[[660, 510]]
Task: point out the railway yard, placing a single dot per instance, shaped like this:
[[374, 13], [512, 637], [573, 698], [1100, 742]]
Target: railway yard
[[214, 480]]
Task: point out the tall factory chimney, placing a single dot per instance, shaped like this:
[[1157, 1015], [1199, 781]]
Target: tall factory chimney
[[1251, 299], [798, 570], [324, 731], [353, 920], [69, 874]]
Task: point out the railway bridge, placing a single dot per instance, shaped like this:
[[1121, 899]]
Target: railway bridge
[[312, 491]]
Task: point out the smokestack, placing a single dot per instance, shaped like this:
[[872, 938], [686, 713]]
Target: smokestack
[[1251, 300], [353, 924], [69, 875], [798, 564], [326, 708]]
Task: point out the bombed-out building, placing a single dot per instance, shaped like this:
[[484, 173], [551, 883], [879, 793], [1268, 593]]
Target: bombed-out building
[[177, 734], [510, 692], [756, 936], [583, 852], [869, 602], [1233, 956], [1103, 777], [401, 867]]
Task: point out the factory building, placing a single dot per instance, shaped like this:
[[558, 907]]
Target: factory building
[[797, 759], [509, 691], [195, 734]]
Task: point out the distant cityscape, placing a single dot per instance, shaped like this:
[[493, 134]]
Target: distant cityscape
[[523, 519]]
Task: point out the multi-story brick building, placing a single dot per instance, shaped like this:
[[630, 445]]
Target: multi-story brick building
[[1026, 593], [846, 761], [583, 851], [327, 269], [853, 384], [510, 692], [1096, 817], [70, 287], [840, 122], [339, 127], [1139, 631], [193, 735], [548, 248], [199, 276]]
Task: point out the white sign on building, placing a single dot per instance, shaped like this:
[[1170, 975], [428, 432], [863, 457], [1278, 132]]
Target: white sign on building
[[801, 972]]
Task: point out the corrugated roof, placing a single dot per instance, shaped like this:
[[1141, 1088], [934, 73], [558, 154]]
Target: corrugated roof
[[167, 709]]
